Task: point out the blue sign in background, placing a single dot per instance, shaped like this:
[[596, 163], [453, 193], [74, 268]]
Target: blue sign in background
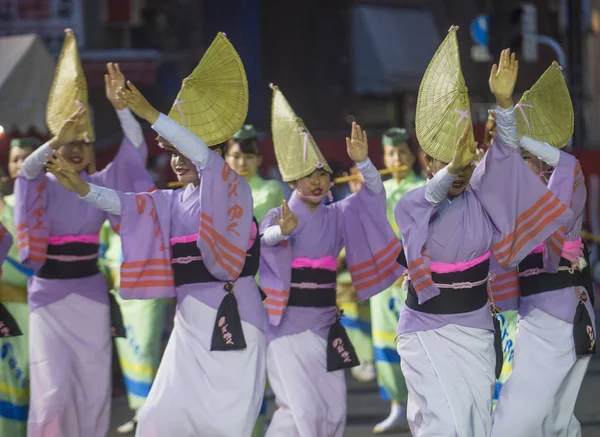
[[479, 29]]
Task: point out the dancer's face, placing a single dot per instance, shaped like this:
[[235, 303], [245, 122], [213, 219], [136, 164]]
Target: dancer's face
[[244, 164], [184, 169], [314, 185], [398, 156], [16, 156], [462, 179], [79, 154]]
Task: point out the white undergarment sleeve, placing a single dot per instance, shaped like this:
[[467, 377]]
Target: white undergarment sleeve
[[104, 198], [506, 126], [273, 236], [372, 177], [33, 165], [131, 128], [183, 140], [436, 190], [550, 155]]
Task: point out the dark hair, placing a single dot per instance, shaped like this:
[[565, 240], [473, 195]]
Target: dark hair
[[220, 147], [250, 146]]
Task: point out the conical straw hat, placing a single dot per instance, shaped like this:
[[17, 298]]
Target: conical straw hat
[[545, 112], [69, 91], [213, 101], [443, 102], [295, 149]]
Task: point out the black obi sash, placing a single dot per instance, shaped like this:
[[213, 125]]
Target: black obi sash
[[195, 272], [454, 300], [313, 288], [70, 268]]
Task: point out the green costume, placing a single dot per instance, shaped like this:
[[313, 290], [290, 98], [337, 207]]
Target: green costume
[[266, 195], [508, 326], [14, 351], [139, 353], [386, 307]]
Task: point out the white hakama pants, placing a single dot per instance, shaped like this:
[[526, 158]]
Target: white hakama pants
[[539, 397], [70, 368], [450, 377], [199, 393], [311, 401]]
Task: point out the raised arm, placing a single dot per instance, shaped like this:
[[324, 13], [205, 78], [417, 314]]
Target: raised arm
[[550, 155], [114, 80], [33, 166], [182, 139], [358, 151]]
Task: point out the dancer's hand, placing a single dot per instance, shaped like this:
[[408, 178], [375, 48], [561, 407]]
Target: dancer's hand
[[69, 131], [503, 78], [355, 185], [357, 145], [288, 222], [466, 152], [114, 80], [135, 101], [67, 175]]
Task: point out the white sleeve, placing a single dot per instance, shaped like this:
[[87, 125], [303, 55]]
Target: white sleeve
[[273, 236], [104, 198], [33, 165], [131, 128], [550, 155], [183, 140], [437, 187], [372, 177], [506, 126]]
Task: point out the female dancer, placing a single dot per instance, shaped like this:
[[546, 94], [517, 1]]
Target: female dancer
[[300, 244], [57, 232], [556, 333], [449, 232], [14, 353], [200, 245]]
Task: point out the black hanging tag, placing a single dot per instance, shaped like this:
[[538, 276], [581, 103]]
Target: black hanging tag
[[583, 328], [498, 346], [228, 334], [8, 325], [340, 351], [117, 327]]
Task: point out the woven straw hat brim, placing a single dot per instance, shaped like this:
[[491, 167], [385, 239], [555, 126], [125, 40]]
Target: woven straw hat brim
[[290, 135], [545, 112], [69, 92], [443, 102], [213, 101]]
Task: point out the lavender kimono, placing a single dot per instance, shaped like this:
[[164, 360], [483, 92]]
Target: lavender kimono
[[47, 214], [217, 216], [358, 223], [69, 326], [8, 325], [499, 218], [201, 245]]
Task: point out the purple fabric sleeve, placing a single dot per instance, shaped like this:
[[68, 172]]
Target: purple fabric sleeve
[[372, 247], [567, 183], [146, 271], [32, 225], [275, 272], [225, 219], [413, 214], [6, 241], [524, 212]]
